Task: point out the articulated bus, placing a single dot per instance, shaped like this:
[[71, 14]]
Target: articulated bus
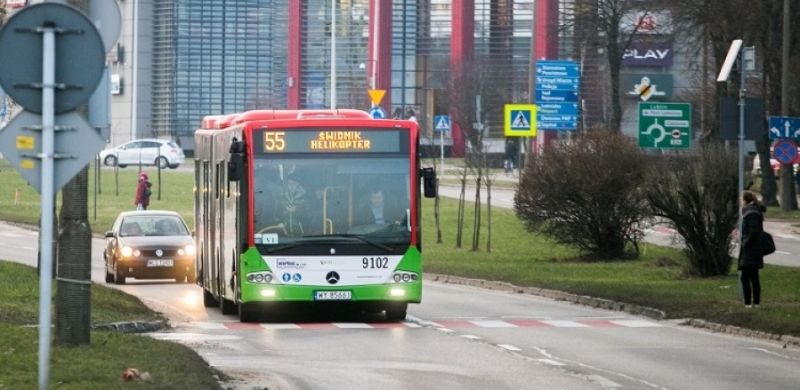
[[316, 206]]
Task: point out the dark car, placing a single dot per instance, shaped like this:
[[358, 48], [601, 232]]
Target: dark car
[[149, 245]]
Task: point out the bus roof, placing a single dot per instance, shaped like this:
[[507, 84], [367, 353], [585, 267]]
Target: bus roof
[[268, 115]]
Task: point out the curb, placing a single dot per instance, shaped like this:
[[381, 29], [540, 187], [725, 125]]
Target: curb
[[557, 295], [786, 340], [132, 326], [601, 303]]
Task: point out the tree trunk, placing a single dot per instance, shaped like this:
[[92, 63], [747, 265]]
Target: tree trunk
[[488, 214], [461, 196], [476, 220], [73, 300]]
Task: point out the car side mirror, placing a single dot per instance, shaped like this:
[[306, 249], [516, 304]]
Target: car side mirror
[[109, 234], [429, 182]]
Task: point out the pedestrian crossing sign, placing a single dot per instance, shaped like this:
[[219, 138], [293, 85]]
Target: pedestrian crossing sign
[[520, 120], [441, 123]]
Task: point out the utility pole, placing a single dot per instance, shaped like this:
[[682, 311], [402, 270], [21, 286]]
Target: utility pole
[[788, 197]]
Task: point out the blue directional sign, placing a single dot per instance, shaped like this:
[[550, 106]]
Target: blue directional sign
[[782, 127], [441, 123], [376, 112], [556, 96]]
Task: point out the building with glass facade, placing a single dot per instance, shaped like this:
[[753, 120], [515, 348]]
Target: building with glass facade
[[200, 57]]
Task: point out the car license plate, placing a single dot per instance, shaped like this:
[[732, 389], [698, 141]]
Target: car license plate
[[160, 263], [333, 295]]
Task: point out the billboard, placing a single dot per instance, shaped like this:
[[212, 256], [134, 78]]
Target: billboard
[[643, 52]]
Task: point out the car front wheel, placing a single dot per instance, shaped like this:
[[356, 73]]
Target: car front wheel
[[162, 162]]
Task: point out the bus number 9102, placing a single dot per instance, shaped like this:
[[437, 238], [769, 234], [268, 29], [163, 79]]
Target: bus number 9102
[[375, 262]]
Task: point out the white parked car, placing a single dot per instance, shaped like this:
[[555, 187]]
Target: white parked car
[[150, 151]]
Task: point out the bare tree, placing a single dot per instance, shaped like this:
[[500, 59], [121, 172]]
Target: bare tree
[[609, 26], [696, 195], [599, 205]]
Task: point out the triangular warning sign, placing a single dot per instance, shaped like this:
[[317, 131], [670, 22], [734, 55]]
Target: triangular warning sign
[[442, 124], [520, 122], [376, 95]]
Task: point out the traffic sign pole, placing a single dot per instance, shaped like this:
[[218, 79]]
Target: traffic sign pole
[[46, 229], [441, 146]]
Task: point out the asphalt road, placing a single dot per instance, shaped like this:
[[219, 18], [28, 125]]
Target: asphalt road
[[459, 337]]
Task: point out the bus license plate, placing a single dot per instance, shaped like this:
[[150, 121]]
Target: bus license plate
[[333, 295], [159, 263]]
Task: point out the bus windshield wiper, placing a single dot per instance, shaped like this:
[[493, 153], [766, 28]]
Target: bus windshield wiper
[[357, 237]]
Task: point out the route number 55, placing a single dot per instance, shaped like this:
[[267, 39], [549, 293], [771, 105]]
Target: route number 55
[[274, 141]]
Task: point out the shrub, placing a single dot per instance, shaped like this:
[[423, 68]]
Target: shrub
[[586, 193], [696, 194]]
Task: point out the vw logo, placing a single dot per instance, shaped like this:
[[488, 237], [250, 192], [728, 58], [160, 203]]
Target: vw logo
[[332, 277], [159, 252]]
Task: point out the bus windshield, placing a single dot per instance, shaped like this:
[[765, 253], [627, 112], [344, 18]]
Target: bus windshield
[[306, 199]]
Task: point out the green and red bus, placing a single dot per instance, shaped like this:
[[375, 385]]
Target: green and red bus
[[315, 206]]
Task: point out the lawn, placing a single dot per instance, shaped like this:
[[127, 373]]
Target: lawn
[[114, 195], [95, 366], [657, 279]]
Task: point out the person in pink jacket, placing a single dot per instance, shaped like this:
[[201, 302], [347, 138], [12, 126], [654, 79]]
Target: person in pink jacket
[[142, 192]]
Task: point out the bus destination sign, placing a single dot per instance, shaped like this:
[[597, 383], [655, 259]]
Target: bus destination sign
[[333, 141]]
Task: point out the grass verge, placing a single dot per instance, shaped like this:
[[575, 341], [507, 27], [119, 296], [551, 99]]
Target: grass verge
[[95, 366], [656, 279], [20, 202]]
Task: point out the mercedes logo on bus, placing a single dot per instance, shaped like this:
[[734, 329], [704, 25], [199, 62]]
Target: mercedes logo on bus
[[332, 277]]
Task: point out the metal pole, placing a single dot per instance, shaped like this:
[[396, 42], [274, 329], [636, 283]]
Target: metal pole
[[46, 245], [333, 54], [741, 139], [376, 32], [441, 146], [134, 72]]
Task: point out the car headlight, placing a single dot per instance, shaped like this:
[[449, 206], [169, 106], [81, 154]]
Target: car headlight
[[190, 250], [137, 253], [126, 251]]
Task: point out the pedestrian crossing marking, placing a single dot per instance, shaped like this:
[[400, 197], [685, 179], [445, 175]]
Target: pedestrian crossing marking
[[521, 122], [446, 325]]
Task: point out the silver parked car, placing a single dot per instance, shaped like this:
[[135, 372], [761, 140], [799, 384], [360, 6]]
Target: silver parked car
[[150, 151]]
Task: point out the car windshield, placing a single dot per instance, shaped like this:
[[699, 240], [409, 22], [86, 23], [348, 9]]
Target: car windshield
[[152, 225], [339, 198]]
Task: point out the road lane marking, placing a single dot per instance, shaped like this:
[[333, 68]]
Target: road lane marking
[[603, 381], [352, 325], [470, 337], [783, 252], [509, 347], [280, 326], [565, 324], [636, 323], [550, 362], [493, 324]]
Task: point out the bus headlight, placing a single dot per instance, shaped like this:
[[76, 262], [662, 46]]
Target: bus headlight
[[259, 277], [404, 277], [126, 251]]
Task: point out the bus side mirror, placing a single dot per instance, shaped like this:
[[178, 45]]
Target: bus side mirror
[[235, 167], [236, 162], [429, 182]]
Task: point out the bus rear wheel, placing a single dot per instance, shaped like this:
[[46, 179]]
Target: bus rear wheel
[[247, 313], [397, 312], [208, 299]]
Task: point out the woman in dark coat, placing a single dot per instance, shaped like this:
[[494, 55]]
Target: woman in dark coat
[[751, 258]]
